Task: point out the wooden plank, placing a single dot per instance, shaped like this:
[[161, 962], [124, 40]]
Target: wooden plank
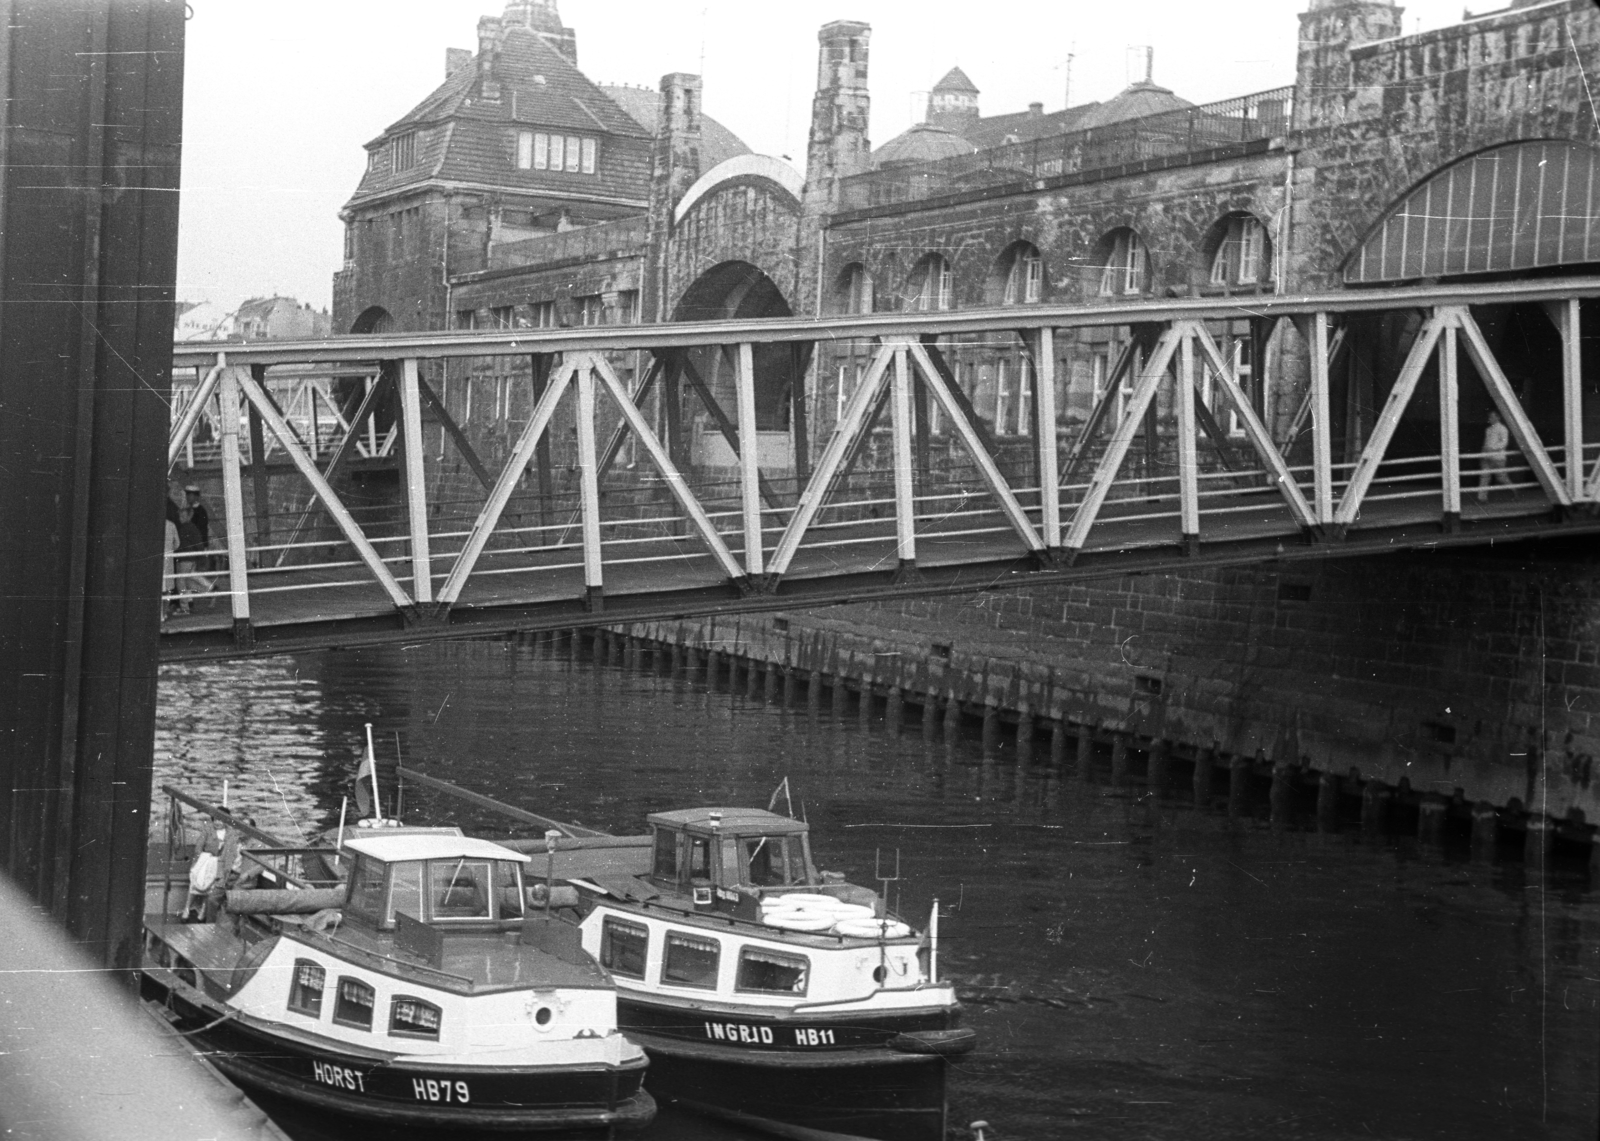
[[493, 805]]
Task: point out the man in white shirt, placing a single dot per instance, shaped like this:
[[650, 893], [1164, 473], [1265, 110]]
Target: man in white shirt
[[1496, 442]]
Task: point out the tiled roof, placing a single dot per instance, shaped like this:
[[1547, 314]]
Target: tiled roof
[[1133, 102], [993, 130], [462, 136], [956, 80], [717, 143], [922, 143]]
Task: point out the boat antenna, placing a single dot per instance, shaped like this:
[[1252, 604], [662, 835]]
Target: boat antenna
[[399, 780], [550, 838], [372, 761], [338, 843]]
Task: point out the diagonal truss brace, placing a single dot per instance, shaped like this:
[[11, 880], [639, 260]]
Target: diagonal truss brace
[[191, 415], [275, 422]]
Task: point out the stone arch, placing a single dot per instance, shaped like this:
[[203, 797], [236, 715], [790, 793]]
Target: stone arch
[[373, 319], [1236, 253], [1119, 266], [1519, 208], [349, 391], [854, 290], [738, 290], [1017, 276]]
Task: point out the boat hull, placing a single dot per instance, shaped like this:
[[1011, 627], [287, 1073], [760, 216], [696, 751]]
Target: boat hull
[[815, 1079], [603, 1100]]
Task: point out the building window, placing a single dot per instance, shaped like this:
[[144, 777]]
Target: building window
[[412, 1018], [405, 151], [540, 150], [543, 314], [1024, 278], [305, 988], [855, 290], [375, 158], [354, 1004], [628, 307], [771, 972], [935, 285], [624, 947], [466, 318], [591, 310], [1126, 265], [1001, 397], [500, 317], [691, 961], [1244, 256]]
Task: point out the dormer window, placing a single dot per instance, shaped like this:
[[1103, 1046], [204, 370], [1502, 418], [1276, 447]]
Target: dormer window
[[544, 150], [405, 151]]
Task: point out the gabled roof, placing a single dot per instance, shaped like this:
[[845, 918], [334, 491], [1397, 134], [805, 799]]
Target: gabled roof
[[956, 80], [463, 136], [993, 130], [717, 143]]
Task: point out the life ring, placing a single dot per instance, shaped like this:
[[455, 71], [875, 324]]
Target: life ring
[[795, 919], [872, 929], [799, 899]]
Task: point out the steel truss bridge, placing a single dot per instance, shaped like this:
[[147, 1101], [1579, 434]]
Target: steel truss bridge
[[833, 530]]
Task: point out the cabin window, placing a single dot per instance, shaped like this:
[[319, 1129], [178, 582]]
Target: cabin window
[[366, 888], [690, 961], [772, 972], [764, 861], [459, 889], [510, 881], [699, 858], [305, 988], [405, 891], [353, 1007], [666, 854], [623, 947], [412, 1018]]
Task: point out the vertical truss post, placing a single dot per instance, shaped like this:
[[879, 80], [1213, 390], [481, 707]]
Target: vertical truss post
[[1105, 472], [1450, 430], [233, 507], [905, 503], [1044, 408], [411, 453], [801, 366], [1389, 419], [1321, 426], [259, 492], [589, 488], [1511, 410], [1572, 392], [1188, 458], [749, 456]]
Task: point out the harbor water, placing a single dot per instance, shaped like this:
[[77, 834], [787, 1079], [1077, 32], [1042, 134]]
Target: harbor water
[[1135, 967]]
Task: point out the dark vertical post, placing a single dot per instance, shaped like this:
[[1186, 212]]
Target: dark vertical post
[[1156, 764], [258, 466], [539, 364], [1204, 767], [1085, 756], [1328, 802], [1239, 786], [90, 127], [1119, 759], [797, 414]]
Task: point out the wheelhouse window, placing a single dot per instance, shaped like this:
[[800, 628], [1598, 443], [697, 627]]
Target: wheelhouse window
[[305, 988], [405, 891], [366, 888], [412, 1018], [690, 961], [459, 889], [773, 861], [1125, 268], [624, 947], [772, 972], [353, 1006], [508, 883], [699, 858], [1244, 255], [666, 862]]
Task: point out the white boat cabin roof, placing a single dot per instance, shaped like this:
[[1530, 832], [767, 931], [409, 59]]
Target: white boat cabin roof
[[731, 821], [392, 848]]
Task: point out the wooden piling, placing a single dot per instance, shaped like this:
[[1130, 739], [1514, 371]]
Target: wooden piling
[[1205, 763], [1328, 802], [1431, 812], [1085, 752], [753, 678], [930, 715], [713, 668], [1024, 732], [1485, 828], [1376, 799], [769, 683], [952, 716], [1157, 761], [893, 710], [864, 706], [1239, 786], [1119, 759], [791, 686], [838, 693], [1058, 742], [1282, 796], [814, 691], [1537, 842], [991, 726]]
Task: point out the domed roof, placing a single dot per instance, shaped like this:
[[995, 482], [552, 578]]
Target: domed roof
[[922, 143], [1133, 102]]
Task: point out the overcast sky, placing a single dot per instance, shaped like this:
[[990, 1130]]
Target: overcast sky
[[280, 97]]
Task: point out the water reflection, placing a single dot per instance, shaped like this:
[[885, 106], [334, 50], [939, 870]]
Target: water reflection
[[1136, 967]]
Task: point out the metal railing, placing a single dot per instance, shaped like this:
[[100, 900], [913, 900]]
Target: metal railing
[[1188, 131]]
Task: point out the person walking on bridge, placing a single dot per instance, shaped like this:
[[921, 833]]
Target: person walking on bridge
[[1492, 464]]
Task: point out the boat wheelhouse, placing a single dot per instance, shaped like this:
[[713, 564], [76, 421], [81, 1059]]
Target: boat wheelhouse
[[417, 988]]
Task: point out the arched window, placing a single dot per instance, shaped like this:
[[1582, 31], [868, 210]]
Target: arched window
[[853, 292], [1022, 274], [1241, 252], [932, 285], [1124, 265]]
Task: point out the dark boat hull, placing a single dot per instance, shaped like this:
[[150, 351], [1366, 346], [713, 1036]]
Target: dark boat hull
[[602, 1100], [816, 1079]]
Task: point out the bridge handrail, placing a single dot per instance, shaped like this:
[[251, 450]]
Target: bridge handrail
[[689, 334]]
